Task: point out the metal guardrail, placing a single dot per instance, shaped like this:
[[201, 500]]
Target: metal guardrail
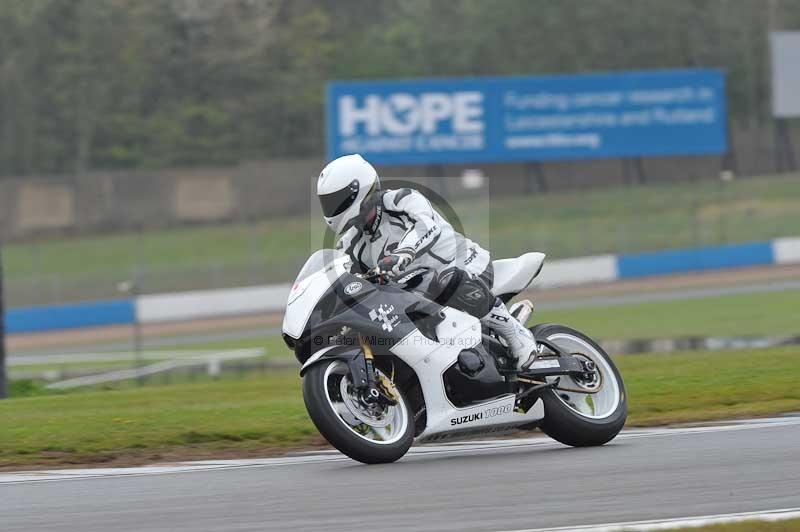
[[167, 361]]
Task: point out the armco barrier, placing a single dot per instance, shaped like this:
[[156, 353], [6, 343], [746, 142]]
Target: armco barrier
[[256, 299], [210, 303]]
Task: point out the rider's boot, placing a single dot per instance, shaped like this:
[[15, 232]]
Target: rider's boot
[[519, 339], [522, 310]]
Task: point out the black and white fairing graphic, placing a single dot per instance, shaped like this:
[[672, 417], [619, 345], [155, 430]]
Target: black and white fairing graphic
[[372, 352], [326, 297]]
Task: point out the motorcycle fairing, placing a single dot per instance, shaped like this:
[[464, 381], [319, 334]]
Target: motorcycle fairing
[[430, 360], [307, 292], [327, 300], [385, 314]]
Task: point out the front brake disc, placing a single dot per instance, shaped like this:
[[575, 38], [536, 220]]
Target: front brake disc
[[357, 409]]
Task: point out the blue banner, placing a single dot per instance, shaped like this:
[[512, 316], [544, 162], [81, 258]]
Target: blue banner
[[432, 121]]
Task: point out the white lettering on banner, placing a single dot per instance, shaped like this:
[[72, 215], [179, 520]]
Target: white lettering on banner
[[403, 114], [560, 121], [662, 96], [359, 144], [436, 107], [683, 116], [405, 106], [350, 115], [450, 142], [554, 140], [431, 143], [646, 117], [470, 111], [536, 101]]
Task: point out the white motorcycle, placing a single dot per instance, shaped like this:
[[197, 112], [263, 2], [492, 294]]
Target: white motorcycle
[[383, 366]]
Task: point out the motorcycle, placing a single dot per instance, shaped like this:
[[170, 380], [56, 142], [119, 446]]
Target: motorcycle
[[384, 367]]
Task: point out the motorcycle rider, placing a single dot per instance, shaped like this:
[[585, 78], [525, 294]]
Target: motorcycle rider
[[390, 229]]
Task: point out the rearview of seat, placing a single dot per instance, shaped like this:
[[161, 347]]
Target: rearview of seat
[[512, 276]]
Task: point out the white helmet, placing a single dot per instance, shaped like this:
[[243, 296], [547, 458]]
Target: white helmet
[[342, 187]]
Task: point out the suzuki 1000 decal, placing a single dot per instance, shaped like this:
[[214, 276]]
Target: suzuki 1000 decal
[[486, 414]]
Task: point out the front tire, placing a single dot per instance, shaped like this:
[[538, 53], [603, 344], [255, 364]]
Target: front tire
[[583, 420], [366, 435]]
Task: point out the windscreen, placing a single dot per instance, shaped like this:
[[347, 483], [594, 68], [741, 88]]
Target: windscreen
[[317, 261]]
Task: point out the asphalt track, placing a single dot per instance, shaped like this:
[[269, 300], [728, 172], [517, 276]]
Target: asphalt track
[[501, 485]]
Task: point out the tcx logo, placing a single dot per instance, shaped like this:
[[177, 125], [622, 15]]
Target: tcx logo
[[405, 114]]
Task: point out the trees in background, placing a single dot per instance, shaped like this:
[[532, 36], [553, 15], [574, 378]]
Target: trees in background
[[131, 84]]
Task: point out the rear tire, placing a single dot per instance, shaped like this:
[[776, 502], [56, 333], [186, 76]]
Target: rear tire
[[564, 423], [316, 390]]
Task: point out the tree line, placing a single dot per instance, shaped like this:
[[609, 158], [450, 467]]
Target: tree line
[[148, 84]]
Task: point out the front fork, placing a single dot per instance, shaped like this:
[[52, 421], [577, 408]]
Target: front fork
[[370, 389]]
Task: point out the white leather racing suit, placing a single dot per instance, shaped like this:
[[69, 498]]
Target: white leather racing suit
[[405, 222]]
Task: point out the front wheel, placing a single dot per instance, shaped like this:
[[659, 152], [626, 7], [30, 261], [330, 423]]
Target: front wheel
[[583, 419], [368, 432]]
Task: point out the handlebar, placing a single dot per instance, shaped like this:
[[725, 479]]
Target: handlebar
[[375, 275]]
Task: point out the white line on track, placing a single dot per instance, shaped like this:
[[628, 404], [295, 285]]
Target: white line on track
[[334, 456], [679, 522]]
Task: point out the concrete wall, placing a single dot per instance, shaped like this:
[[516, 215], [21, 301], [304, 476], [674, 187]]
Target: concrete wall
[[140, 200], [111, 201]]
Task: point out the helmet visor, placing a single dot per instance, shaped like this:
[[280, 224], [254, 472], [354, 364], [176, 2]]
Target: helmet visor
[[337, 202]]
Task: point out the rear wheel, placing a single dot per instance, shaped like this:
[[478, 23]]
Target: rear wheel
[[583, 419], [368, 432]]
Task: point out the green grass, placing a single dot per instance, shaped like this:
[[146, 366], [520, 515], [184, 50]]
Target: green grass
[[734, 315], [260, 413], [789, 525], [763, 313], [768, 313], [682, 387], [612, 219]]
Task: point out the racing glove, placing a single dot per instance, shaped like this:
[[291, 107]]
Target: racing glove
[[394, 264]]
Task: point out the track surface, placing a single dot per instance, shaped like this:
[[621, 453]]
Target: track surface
[[487, 486]]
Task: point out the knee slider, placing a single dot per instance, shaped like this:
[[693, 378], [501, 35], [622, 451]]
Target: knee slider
[[445, 285], [457, 289]]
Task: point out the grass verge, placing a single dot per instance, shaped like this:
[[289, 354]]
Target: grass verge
[[265, 414], [789, 525], [610, 219], [764, 313], [769, 313]]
